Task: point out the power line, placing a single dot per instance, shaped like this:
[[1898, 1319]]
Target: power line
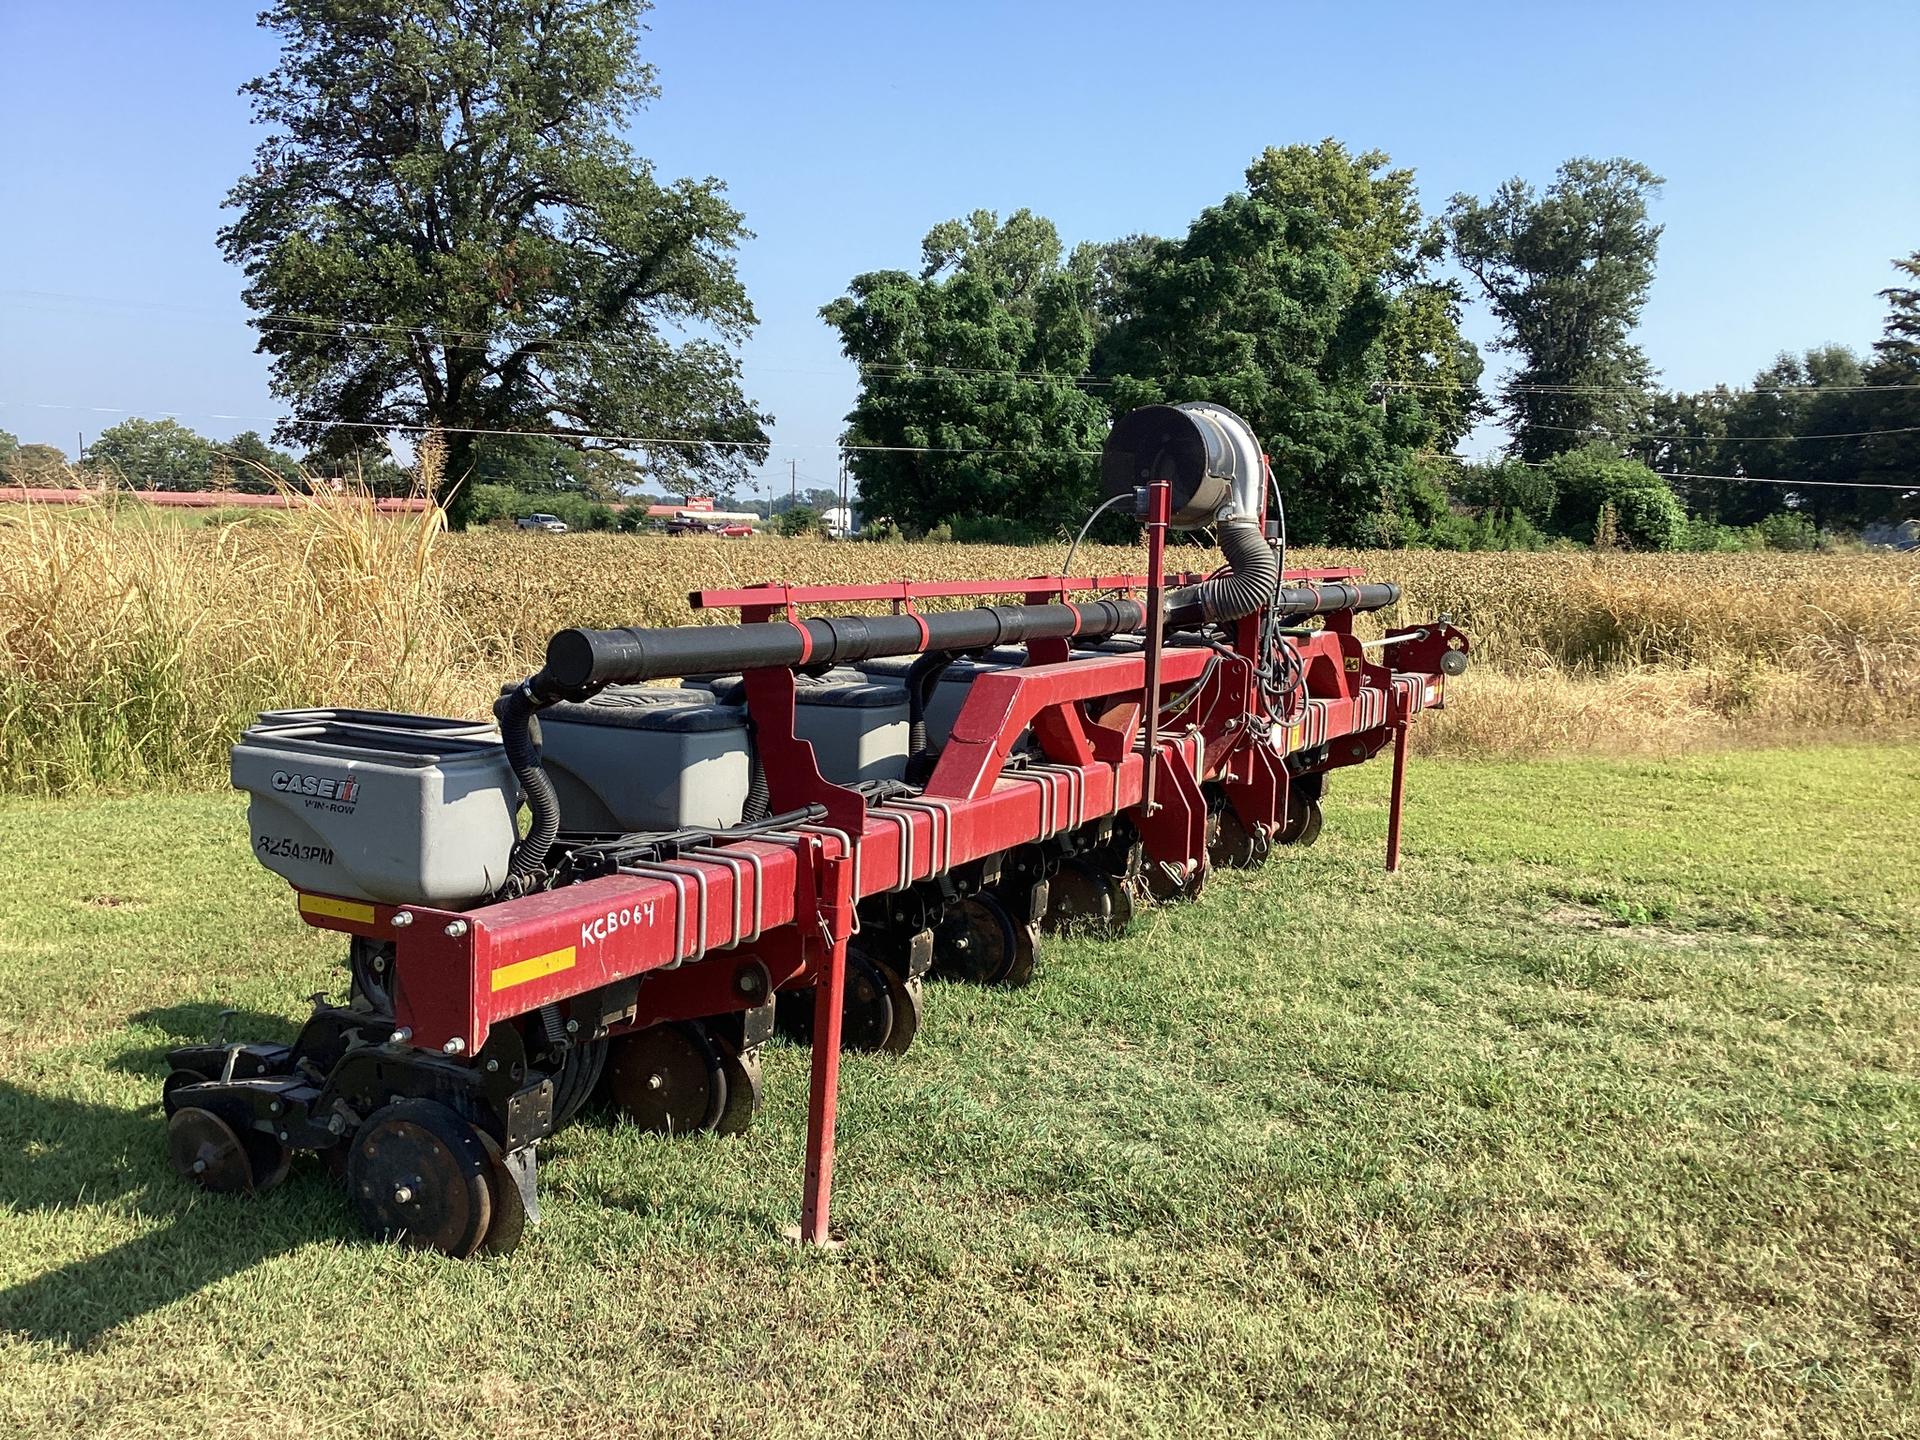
[[625, 442], [635, 442], [1626, 393], [1762, 479], [451, 339], [1725, 439], [1796, 484]]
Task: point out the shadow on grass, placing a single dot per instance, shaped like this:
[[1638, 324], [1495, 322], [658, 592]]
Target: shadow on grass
[[60, 1155]]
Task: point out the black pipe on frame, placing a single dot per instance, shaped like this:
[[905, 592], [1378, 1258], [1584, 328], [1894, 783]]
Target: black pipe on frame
[[581, 659]]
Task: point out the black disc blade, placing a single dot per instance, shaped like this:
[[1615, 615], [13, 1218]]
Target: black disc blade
[[978, 942]]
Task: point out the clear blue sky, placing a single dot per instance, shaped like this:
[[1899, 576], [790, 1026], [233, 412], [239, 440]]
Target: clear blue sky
[[1789, 135]]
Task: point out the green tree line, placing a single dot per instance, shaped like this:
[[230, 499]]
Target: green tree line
[[1313, 303]]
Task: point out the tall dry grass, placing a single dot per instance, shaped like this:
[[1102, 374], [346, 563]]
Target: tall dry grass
[[132, 653]]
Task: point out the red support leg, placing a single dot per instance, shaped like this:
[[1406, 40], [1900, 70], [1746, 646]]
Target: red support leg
[[824, 1084], [1399, 794], [1159, 509]]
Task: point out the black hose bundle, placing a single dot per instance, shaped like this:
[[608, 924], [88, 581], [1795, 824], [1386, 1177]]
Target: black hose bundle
[[514, 711]]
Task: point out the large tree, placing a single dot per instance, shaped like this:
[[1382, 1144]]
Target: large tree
[[152, 455], [1567, 271], [1373, 218], [1892, 407], [444, 229], [1258, 309], [1684, 435], [34, 466], [970, 383]]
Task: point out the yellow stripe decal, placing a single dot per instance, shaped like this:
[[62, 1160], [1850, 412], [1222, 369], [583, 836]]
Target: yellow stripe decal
[[336, 909], [521, 971]]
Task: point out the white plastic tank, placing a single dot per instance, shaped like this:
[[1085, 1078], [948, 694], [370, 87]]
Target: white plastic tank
[[856, 725], [640, 758], [406, 809]]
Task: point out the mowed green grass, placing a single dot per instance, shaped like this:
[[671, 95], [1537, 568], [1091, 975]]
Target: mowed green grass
[[1601, 1117]]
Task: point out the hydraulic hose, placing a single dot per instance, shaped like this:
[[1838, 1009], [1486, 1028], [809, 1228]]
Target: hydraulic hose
[[759, 801]]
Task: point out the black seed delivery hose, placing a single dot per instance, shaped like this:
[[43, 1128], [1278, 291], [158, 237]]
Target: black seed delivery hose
[[515, 710], [577, 658], [922, 676]]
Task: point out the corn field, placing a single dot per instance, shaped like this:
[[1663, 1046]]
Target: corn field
[[131, 653]]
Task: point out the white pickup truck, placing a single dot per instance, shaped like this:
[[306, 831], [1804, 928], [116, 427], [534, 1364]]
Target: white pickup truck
[[552, 524]]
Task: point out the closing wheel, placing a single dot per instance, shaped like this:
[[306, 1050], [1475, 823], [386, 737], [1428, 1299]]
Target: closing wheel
[[419, 1175], [1019, 969], [978, 942], [1232, 845], [176, 1081], [576, 1079], [868, 1013], [272, 1159], [908, 1008], [205, 1150], [743, 1091], [509, 1220], [668, 1079], [1302, 825], [1080, 896]]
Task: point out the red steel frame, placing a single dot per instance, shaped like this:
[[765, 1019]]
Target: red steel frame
[[719, 930]]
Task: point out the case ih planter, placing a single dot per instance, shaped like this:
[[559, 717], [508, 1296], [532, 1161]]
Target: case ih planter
[[825, 810]]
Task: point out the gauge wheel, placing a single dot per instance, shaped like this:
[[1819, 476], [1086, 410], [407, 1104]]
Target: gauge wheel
[[668, 1079], [420, 1176]]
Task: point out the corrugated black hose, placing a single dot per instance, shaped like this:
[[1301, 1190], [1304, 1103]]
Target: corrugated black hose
[[759, 802], [1253, 575], [515, 710]]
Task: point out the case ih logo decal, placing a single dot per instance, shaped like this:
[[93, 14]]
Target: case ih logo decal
[[334, 793]]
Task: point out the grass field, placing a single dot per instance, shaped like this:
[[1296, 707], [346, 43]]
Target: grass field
[[1602, 1117]]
